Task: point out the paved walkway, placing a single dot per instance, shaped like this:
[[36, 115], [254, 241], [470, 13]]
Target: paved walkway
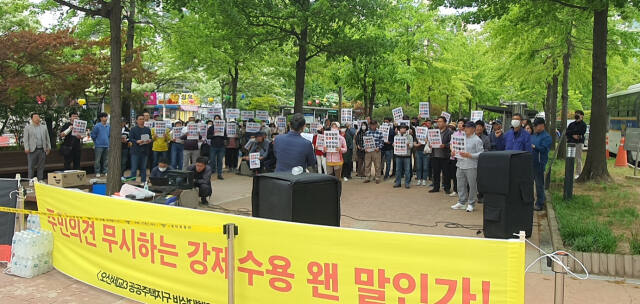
[[364, 206]]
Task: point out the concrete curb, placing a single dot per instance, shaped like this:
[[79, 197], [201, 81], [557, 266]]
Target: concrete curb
[[615, 265]]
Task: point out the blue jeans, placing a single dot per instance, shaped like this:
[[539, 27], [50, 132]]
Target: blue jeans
[[422, 165], [538, 174], [101, 160], [157, 156], [139, 162], [387, 157], [124, 160], [216, 155], [403, 166], [176, 155]]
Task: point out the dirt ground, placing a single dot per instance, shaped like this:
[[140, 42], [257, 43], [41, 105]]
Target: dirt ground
[[364, 206]]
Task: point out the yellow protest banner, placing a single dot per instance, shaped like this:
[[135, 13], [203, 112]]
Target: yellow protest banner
[[275, 262]]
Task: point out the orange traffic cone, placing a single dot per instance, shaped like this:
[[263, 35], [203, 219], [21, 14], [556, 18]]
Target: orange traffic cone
[[621, 158], [606, 148]]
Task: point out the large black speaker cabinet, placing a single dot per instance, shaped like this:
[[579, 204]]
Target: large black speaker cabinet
[[306, 198], [505, 179]]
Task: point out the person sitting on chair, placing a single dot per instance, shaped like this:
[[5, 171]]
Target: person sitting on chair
[[161, 169], [202, 179]]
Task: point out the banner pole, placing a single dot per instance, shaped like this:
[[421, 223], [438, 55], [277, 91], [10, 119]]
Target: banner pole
[[20, 203], [231, 230], [559, 278]]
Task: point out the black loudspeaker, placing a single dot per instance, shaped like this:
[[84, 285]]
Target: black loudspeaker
[[306, 198], [505, 179]]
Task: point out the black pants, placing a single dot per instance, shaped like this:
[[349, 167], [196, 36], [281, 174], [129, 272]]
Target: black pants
[[231, 158], [347, 168], [74, 157], [204, 189], [452, 173], [441, 166]]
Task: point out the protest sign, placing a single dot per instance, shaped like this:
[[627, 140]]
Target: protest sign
[[421, 134], [262, 115], [192, 131], [331, 141], [148, 124], [177, 132], [253, 127], [424, 110], [457, 144], [397, 114], [314, 126], [218, 127], [384, 129], [79, 128], [400, 145], [307, 136], [254, 160], [174, 267], [446, 115], [233, 114], [246, 115], [160, 128], [346, 116], [231, 129], [281, 124], [488, 127], [320, 142], [210, 113], [145, 138], [369, 144], [202, 128], [434, 138], [404, 122], [476, 115]]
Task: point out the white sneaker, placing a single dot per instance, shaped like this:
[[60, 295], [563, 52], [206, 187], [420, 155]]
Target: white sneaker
[[453, 194], [469, 208], [418, 182], [458, 206], [345, 179], [98, 175], [424, 182]]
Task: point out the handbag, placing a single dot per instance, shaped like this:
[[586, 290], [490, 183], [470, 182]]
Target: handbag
[[204, 149], [427, 148]]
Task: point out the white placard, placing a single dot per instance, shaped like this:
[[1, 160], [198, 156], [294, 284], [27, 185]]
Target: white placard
[[262, 115], [192, 131], [307, 136], [446, 115], [424, 110], [253, 127], [281, 124], [331, 141], [231, 129], [160, 128], [233, 114], [211, 112], [254, 160], [79, 128], [404, 123], [369, 143], [400, 145], [246, 115], [476, 115], [314, 126], [148, 124], [202, 128], [384, 129], [320, 142], [218, 127], [434, 138], [421, 134], [488, 127], [346, 116], [177, 132], [397, 114], [144, 137], [457, 144]]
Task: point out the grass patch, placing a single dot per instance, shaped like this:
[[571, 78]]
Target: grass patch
[[601, 217]]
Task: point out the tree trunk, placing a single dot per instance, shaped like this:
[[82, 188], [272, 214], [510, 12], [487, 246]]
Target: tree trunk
[[372, 100], [127, 79], [301, 70], [115, 153], [234, 85], [595, 167], [408, 86]]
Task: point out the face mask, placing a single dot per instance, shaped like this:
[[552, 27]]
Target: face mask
[[162, 169], [515, 123], [363, 128], [343, 130]]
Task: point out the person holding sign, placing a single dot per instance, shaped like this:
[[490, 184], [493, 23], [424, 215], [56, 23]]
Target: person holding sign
[[440, 158], [402, 145], [71, 145], [161, 136], [388, 133], [422, 159], [190, 137], [258, 145], [140, 137], [216, 134], [467, 165], [372, 154], [177, 146], [318, 146], [334, 158], [100, 137]]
